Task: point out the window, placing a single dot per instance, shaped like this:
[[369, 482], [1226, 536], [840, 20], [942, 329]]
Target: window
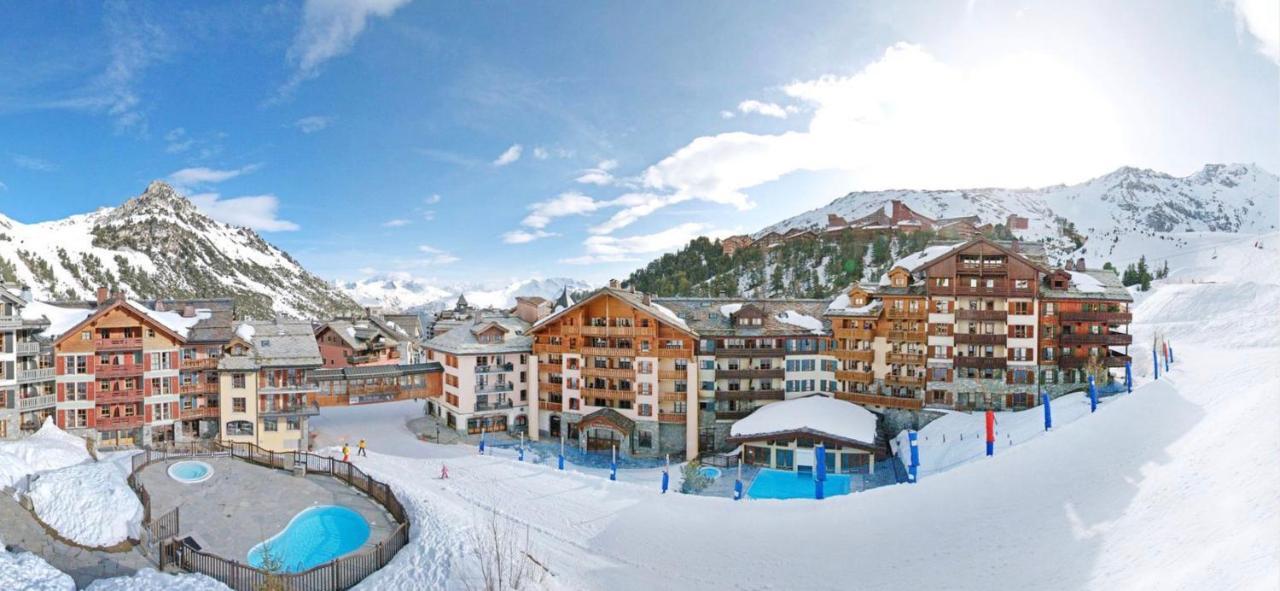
[[77, 365], [645, 410], [239, 428], [270, 425], [237, 380], [161, 412], [86, 336], [293, 423], [1020, 284], [238, 404], [646, 438]]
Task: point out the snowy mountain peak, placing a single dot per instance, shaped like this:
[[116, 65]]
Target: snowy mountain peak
[[408, 293]]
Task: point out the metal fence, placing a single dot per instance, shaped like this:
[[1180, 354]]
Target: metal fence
[[337, 575]]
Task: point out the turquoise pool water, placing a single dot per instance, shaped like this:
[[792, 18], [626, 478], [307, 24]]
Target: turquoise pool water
[[190, 471], [314, 537], [781, 484], [711, 472]]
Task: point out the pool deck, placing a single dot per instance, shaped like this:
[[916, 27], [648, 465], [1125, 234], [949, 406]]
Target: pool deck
[[244, 504]]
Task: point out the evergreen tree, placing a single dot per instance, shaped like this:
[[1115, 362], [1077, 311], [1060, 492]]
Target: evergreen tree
[[880, 250]]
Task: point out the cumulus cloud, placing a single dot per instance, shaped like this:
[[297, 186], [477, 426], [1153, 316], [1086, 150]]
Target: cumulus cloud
[[190, 178], [510, 155], [259, 212], [329, 29], [33, 163], [599, 175], [565, 204], [541, 153], [435, 256], [525, 236], [767, 109], [612, 249], [312, 123], [634, 206], [909, 120], [396, 223], [1261, 18]]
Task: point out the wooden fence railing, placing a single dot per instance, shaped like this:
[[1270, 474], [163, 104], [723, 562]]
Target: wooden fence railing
[[337, 575]]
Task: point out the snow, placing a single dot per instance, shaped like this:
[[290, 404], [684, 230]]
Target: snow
[[402, 291], [841, 305], [1086, 283], [24, 571], [245, 331], [50, 448], [819, 413], [729, 309], [150, 580], [173, 320], [910, 262], [670, 316], [90, 504], [804, 321], [60, 319]]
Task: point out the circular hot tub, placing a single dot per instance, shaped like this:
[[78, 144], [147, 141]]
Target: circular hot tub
[[190, 471], [711, 472]]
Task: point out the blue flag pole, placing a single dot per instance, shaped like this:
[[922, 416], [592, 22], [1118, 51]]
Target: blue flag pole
[[482, 443], [913, 440], [1170, 353], [613, 465], [1093, 396], [1048, 414], [1166, 359], [1128, 376], [522, 447], [666, 478], [560, 460], [1155, 361], [819, 470], [737, 483]]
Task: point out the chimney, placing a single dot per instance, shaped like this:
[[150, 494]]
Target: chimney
[[613, 283], [188, 311], [1080, 264], [103, 294], [160, 306], [118, 295], [25, 294], [648, 300]]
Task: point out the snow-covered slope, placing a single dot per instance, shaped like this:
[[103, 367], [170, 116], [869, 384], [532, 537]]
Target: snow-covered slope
[[1238, 198], [417, 295], [159, 245]]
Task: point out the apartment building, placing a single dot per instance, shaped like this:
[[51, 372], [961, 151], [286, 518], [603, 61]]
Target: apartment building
[[1084, 321], [26, 364], [202, 348], [486, 375], [616, 369], [368, 340], [267, 384], [752, 352]]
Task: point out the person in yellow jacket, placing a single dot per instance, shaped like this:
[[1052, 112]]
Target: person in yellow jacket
[[346, 453], [360, 449]]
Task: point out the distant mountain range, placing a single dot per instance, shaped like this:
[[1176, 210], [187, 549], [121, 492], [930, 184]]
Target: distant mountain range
[[407, 293]]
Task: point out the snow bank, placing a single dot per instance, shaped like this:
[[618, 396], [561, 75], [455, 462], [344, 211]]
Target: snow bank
[[151, 580], [24, 571], [90, 504], [818, 413], [50, 448], [804, 321]]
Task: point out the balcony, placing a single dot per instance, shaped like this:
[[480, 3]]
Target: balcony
[[550, 348], [10, 321], [609, 351], [1107, 361], [864, 334], [673, 374], [611, 331], [864, 355], [964, 338], [115, 396], [909, 336], [1108, 317], [114, 423], [199, 364], [750, 395], [117, 371], [498, 387], [670, 352], [878, 400], [289, 388], [981, 362], [551, 406], [993, 315], [855, 376], [500, 405], [904, 381], [1003, 291], [201, 388], [37, 402], [751, 352], [550, 387], [118, 344], [617, 373], [986, 267], [294, 410], [1115, 338], [24, 349], [495, 368], [907, 314], [608, 393], [672, 417], [751, 373], [672, 396], [904, 358], [198, 412], [34, 375]]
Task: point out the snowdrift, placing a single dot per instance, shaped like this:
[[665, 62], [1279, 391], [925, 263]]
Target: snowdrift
[[50, 448], [89, 504]]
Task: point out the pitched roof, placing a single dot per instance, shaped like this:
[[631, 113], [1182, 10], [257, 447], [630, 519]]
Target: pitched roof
[[284, 343], [636, 300], [462, 340], [781, 317], [1096, 284], [817, 416]]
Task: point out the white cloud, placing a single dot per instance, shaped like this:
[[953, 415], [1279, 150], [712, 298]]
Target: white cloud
[[396, 223], [177, 141], [312, 123], [258, 212], [511, 155], [726, 114], [910, 121], [767, 109], [1262, 19], [435, 256], [190, 178], [600, 175], [329, 29], [612, 249], [541, 153], [525, 236], [431, 199], [4, 187], [33, 163], [634, 207], [565, 204]]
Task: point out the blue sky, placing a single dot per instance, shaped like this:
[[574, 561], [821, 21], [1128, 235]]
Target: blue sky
[[490, 141]]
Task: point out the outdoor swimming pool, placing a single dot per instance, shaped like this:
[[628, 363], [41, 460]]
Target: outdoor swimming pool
[[783, 484], [314, 537], [190, 471]]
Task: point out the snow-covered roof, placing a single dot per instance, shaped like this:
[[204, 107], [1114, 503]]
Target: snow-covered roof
[[804, 321], [60, 319], [841, 306], [670, 316], [729, 309], [175, 322], [1086, 282], [816, 414], [915, 259]]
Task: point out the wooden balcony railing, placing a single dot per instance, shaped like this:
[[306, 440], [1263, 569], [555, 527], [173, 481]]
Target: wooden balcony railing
[[905, 313], [199, 364], [904, 358], [199, 412], [669, 353], [864, 355], [865, 377], [117, 371], [864, 334], [909, 336], [114, 396], [878, 400], [750, 394], [904, 380], [609, 351], [617, 373], [751, 352], [964, 338], [673, 374], [608, 393], [551, 406], [981, 362], [609, 331], [672, 417], [112, 423], [1115, 338], [1107, 361], [1109, 317], [751, 373], [199, 388], [992, 315], [118, 344]]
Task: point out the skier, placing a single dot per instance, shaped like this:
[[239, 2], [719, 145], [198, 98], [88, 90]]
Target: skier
[[360, 449], [444, 472], [346, 453]]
